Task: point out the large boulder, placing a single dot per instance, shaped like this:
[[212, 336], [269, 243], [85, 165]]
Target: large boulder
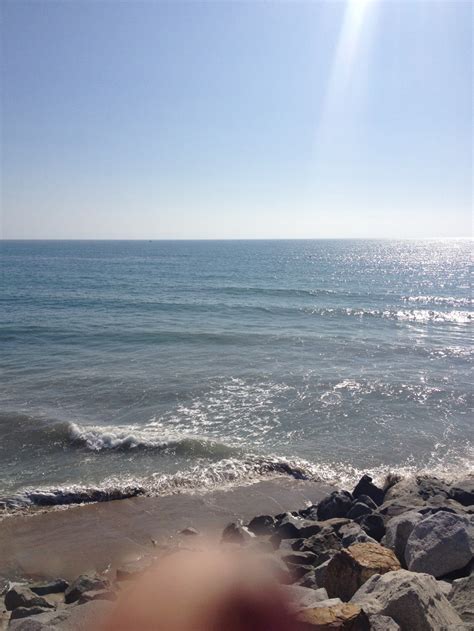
[[352, 567], [440, 544], [461, 598], [22, 596], [85, 583], [397, 531], [341, 617], [337, 504], [365, 486], [414, 601]]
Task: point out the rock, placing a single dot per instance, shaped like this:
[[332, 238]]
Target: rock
[[463, 491], [189, 532], [373, 525], [344, 617], [302, 597], [84, 583], [358, 509], [440, 544], [413, 600], [22, 596], [338, 504], [461, 598], [235, 533], [262, 525], [383, 623], [352, 567], [320, 573], [24, 612], [445, 587], [392, 508], [353, 533], [311, 512], [335, 523], [365, 486], [368, 501], [97, 594], [53, 587], [289, 527], [309, 528], [300, 558], [397, 531], [323, 545]]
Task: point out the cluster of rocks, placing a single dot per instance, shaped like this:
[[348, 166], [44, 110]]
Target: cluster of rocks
[[398, 557], [380, 559]]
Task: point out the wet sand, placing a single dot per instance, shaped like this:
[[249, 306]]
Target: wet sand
[[95, 536]]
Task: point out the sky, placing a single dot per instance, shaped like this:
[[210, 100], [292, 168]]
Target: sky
[[244, 119]]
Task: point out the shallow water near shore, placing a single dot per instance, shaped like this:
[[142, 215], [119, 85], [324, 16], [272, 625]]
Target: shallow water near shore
[[156, 367]]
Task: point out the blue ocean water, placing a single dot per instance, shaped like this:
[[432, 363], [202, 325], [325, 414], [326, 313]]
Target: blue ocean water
[[161, 366]]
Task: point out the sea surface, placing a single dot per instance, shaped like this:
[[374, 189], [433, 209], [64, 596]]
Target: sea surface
[[159, 366]]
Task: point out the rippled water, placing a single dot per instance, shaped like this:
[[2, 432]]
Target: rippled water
[[159, 366]]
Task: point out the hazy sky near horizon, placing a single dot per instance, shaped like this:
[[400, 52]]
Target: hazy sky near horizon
[[236, 119]]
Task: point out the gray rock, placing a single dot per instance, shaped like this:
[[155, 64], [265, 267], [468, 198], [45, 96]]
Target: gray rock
[[414, 601], [300, 558], [461, 598], [320, 573], [353, 533], [302, 597], [398, 506], [358, 509], [262, 525], [84, 583], [440, 544], [463, 491], [365, 486], [22, 596], [323, 545], [383, 623], [445, 587], [53, 587], [337, 504], [397, 531], [289, 527], [235, 533], [24, 612], [373, 525]]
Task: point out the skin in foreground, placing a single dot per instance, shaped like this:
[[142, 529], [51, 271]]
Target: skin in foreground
[[203, 591]]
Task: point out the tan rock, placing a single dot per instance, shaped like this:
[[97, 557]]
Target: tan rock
[[345, 617], [352, 567]]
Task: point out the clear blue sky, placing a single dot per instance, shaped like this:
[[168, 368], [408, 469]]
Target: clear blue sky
[[236, 119]]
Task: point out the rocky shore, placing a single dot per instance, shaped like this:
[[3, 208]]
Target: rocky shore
[[376, 558]]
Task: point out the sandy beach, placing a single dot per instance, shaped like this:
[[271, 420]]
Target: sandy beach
[[94, 537]]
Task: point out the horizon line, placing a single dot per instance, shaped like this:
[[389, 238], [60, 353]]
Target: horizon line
[[184, 239]]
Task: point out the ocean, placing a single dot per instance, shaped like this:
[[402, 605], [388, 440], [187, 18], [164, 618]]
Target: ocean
[[163, 366]]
